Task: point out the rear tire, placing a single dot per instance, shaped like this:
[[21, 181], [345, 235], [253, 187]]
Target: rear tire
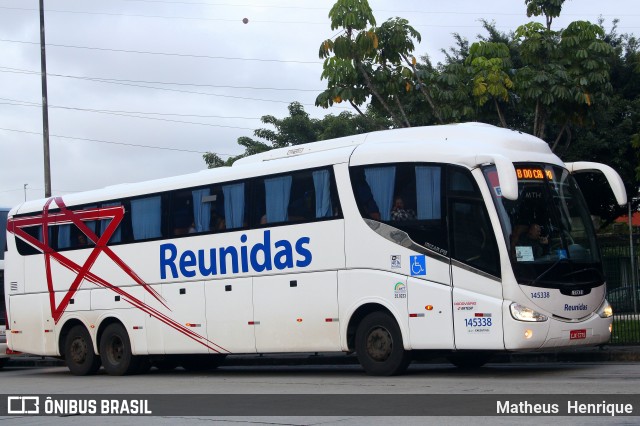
[[78, 352], [3, 362], [115, 352], [379, 345]]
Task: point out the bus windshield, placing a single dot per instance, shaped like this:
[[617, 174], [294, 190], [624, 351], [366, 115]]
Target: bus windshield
[[548, 229]]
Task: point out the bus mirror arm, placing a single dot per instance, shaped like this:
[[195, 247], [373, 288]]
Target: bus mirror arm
[[613, 178], [506, 172]]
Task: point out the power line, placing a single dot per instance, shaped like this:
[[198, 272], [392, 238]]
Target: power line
[[133, 116], [169, 83], [228, 4], [29, 103], [188, 18], [266, 6], [143, 52], [192, 92], [112, 142]]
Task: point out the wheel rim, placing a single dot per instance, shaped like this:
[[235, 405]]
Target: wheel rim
[[78, 350], [379, 344], [115, 350]]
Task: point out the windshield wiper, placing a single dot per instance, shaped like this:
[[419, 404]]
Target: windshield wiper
[[556, 263], [600, 274]]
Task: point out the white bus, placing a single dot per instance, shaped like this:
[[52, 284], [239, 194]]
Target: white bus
[[460, 239], [4, 357]]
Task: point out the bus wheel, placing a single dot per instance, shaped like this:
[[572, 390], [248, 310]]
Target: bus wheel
[[469, 360], [115, 351], [3, 362], [198, 362], [379, 345], [78, 352]]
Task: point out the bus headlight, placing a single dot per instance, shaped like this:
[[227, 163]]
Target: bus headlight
[[605, 311], [522, 313]]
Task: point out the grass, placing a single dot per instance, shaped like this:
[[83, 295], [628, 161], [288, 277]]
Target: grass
[[626, 331]]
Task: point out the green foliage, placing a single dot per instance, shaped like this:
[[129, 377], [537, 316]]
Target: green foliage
[[369, 62], [490, 64], [298, 128], [548, 8], [544, 7], [355, 14], [577, 88]]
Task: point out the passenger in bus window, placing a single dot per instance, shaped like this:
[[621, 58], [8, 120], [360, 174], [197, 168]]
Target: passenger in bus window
[[400, 212], [81, 240], [302, 209]]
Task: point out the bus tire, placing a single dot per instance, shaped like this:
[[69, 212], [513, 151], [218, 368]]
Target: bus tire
[[78, 352], [379, 345], [3, 362], [115, 351], [197, 362], [469, 360]]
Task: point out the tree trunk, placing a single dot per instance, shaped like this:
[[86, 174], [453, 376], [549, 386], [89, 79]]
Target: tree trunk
[[375, 93], [565, 128], [356, 108], [423, 89], [404, 115], [503, 122]]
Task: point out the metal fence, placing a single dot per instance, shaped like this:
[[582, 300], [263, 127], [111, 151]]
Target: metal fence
[[622, 292]]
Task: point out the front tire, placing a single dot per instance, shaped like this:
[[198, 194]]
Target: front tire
[[78, 352], [379, 345], [115, 352]]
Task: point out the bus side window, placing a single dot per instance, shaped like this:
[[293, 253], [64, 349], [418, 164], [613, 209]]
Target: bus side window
[[182, 212], [472, 238], [25, 248], [146, 217]]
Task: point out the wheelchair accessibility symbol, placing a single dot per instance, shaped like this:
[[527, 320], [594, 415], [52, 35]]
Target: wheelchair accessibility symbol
[[418, 265]]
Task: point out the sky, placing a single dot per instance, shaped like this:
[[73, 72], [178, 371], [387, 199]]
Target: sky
[[140, 89]]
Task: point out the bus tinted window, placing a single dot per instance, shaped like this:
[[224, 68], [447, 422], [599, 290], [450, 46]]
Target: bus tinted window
[[406, 196], [295, 197], [146, 218], [473, 241]]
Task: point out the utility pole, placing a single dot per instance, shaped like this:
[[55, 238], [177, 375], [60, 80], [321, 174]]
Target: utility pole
[[632, 257], [45, 106]]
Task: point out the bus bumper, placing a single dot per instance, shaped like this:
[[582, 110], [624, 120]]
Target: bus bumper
[[590, 332]]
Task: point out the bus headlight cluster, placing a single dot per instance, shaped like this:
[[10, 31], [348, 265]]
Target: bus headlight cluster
[[605, 311], [523, 313]]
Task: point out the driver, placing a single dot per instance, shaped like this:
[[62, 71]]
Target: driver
[[534, 239]]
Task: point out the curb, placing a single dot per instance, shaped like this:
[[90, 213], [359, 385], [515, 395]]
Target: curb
[[597, 354]]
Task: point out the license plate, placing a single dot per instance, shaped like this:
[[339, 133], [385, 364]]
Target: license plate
[[578, 334]]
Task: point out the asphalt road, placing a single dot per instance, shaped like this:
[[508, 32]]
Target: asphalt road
[[510, 379]]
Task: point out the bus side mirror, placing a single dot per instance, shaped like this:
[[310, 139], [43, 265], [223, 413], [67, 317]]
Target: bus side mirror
[[613, 178], [506, 173]]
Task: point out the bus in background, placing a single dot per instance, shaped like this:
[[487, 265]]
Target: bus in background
[[463, 240], [4, 358]]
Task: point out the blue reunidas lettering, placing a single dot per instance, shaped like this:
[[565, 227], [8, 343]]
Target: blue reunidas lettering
[[259, 257]]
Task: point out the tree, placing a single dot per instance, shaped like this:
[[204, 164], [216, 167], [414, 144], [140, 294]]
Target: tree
[[549, 8], [367, 61], [298, 128], [489, 67], [563, 74]]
